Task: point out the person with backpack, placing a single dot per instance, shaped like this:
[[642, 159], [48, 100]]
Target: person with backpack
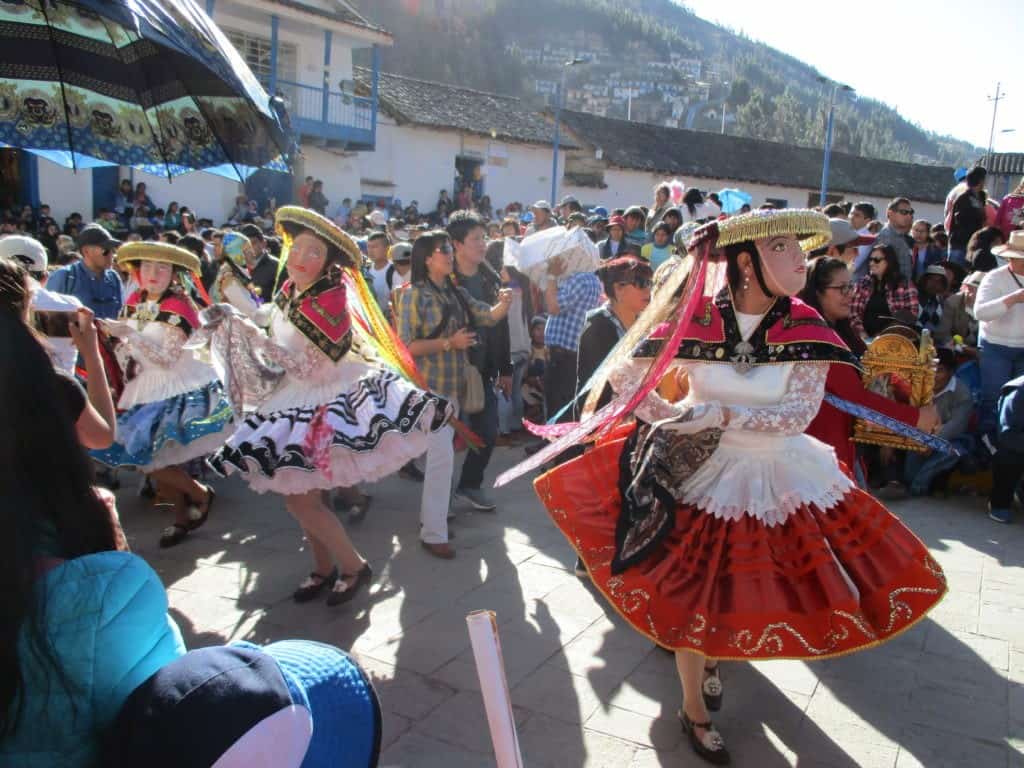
[[377, 245], [491, 355], [92, 280]]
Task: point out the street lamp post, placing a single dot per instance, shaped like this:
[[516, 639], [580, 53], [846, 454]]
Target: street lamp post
[[725, 103], [836, 87], [559, 98]]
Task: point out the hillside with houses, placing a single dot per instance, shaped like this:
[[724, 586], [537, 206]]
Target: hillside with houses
[[649, 61]]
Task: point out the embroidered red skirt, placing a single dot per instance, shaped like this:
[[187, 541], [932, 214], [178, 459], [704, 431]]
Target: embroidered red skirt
[[825, 583]]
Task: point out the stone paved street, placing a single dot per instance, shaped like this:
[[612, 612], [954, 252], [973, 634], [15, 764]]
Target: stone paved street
[[589, 691]]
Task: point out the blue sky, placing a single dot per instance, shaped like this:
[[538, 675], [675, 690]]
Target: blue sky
[[905, 53]]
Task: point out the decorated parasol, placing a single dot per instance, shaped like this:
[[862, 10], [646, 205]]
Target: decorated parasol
[[152, 84]]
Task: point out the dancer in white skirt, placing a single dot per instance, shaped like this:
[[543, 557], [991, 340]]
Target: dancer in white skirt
[[173, 404], [337, 416]]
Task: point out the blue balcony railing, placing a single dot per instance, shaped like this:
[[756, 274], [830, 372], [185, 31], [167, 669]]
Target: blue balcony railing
[[330, 115]]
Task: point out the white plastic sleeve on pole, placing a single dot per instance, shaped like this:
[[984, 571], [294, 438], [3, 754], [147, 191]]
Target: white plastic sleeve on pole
[[483, 636]]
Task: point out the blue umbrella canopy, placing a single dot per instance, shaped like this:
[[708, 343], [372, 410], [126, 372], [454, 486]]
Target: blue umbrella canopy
[[152, 84]]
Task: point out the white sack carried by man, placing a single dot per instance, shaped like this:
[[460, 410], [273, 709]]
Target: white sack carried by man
[[532, 255]]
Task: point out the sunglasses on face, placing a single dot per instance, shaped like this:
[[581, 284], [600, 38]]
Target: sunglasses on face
[[876, 259], [905, 211], [445, 249]]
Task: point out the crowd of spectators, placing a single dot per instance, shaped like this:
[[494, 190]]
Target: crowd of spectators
[[956, 280]]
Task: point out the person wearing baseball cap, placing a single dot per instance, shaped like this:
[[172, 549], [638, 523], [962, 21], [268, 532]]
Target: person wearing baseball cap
[[844, 242], [288, 704], [568, 206], [542, 218], [28, 252], [401, 265], [92, 280]]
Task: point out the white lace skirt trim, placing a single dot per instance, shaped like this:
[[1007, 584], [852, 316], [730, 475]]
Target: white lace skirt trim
[[155, 384], [174, 454], [767, 477], [375, 426], [347, 468]]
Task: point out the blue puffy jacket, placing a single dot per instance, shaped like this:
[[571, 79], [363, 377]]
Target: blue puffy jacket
[[106, 619]]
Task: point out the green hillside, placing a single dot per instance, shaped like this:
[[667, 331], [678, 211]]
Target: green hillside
[[514, 46]]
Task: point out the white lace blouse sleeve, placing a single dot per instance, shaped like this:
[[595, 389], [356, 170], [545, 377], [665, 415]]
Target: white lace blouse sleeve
[[653, 407], [164, 351], [239, 297], [798, 407], [299, 362]]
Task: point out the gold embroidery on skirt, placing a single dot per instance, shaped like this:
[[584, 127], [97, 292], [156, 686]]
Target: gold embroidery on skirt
[[632, 601]]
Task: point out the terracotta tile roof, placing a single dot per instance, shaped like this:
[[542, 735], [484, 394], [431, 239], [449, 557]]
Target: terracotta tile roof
[[342, 12], [438, 105], [658, 149]]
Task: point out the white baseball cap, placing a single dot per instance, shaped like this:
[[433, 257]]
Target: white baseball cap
[[26, 250], [378, 218]]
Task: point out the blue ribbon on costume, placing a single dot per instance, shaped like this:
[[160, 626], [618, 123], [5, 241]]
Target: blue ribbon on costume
[[934, 442]]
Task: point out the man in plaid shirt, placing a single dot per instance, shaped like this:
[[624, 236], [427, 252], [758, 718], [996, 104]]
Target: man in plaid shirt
[[437, 320], [567, 302]]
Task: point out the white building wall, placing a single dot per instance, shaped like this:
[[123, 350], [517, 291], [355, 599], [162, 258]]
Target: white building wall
[[206, 195], [512, 172], [65, 191], [419, 162], [338, 171], [307, 39], [637, 187]]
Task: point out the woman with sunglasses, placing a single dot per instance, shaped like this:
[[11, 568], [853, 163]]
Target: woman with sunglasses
[[334, 414], [829, 290], [435, 319], [883, 295]]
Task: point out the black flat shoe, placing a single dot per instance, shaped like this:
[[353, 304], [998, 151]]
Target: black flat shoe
[[580, 569], [708, 746], [343, 591], [314, 584], [173, 535], [712, 689]]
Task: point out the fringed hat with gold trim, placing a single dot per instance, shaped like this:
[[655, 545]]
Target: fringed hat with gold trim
[[321, 226], [811, 228], [165, 253]]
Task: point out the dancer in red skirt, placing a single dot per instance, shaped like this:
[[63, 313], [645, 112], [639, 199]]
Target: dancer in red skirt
[[716, 527]]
